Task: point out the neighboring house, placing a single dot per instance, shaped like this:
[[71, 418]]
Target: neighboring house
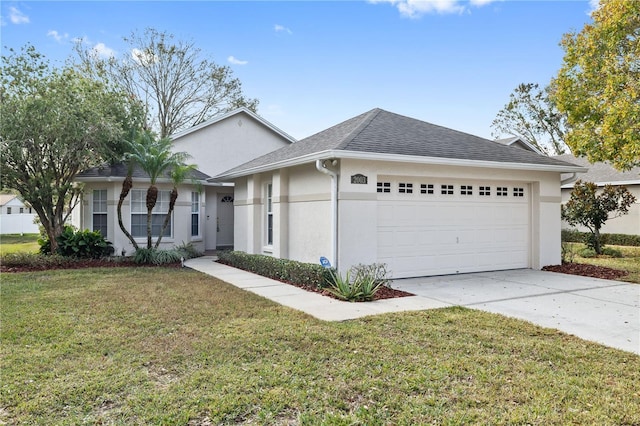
[[204, 211], [602, 174], [381, 187], [518, 142], [16, 217]]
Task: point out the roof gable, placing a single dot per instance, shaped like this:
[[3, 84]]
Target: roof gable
[[382, 132], [119, 170], [230, 114]]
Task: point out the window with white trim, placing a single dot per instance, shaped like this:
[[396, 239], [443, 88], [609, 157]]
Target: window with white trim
[[99, 211], [426, 188], [383, 187], [405, 188], [502, 191], [195, 214], [158, 214], [269, 214], [518, 192], [8, 210], [21, 210], [466, 190], [446, 189], [485, 191]]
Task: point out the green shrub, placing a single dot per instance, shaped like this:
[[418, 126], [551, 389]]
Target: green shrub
[[152, 256], [305, 274], [568, 252], [81, 244], [587, 252], [34, 260], [609, 251], [367, 280], [574, 236]]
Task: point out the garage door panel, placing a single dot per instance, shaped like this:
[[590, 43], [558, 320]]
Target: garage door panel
[[456, 234]]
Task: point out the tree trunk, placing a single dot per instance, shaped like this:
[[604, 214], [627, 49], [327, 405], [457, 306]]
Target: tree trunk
[[596, 241], [152, 198], [167, 219], [126, 187]]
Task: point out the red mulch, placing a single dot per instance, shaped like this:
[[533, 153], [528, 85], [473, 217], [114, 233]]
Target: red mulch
[[587, 270]]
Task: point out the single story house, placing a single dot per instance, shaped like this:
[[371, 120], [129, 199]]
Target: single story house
[[203, 212], [16, 216], [602, 174], [382, 187]]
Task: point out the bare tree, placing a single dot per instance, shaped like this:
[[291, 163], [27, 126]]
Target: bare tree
[[179, 87], [532, 116]]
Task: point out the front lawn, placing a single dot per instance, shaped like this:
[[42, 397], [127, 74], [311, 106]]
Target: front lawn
[[173, 346], [14, 243], [630, 260]]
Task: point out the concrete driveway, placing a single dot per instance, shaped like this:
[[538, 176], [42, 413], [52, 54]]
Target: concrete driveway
[[602, 311]]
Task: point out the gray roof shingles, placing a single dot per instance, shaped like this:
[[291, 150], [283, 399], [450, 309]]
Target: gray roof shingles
[[601, 172], [120, 170], [383, 132]]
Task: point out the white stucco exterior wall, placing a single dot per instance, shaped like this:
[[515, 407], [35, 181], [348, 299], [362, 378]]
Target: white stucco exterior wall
[[228, 143]]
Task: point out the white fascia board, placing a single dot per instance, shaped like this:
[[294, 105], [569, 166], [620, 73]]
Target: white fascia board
[[218, 118], [415, 159], [614, 183], [111, 179]]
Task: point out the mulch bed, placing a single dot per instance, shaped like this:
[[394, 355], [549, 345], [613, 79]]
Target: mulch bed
[[587, 271]]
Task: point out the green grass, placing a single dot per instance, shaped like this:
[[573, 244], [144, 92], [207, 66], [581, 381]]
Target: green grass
[[14, 243], [168, 346], [630, 261]]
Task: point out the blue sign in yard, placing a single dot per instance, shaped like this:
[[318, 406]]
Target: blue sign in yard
[[325, 262]]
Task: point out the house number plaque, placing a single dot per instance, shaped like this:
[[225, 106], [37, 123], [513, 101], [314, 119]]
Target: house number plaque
[[359, 179]]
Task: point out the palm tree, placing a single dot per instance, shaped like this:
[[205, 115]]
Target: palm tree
[[178, 175], [155, 157]]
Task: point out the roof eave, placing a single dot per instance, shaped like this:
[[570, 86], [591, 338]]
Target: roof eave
[[612, 182], [416, 159]]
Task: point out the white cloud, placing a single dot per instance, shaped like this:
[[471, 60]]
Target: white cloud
[[594, 5], [235, 61], [282, 29], [17, 17], [103, 51], [57, 36], [417, 8], [141, 57]]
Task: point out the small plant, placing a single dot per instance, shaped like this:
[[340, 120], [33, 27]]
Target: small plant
[[568, 252], [367, 280], [153, 256], [611, 252], [81, 244], [587, 252]]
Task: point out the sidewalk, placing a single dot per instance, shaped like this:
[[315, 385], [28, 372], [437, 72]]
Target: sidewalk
[[314, 304]]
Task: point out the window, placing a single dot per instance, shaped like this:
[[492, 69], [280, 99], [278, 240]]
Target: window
[[8, 210], [518, 192], [99, 211], [446, 189], [485, 191], [502, 191], [426, 188], [158, 214], [195, 214], [269, 214], [21, 210], [384, 187], [405, 188], [466, 190]]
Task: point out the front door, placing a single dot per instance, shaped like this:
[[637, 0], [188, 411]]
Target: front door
[[225, 221]]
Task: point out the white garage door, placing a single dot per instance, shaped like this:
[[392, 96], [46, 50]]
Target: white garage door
[[438, 227]]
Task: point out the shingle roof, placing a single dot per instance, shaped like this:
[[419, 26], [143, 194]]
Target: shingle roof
[[601, 172], [5, 198], [382, 132], [119, 170]]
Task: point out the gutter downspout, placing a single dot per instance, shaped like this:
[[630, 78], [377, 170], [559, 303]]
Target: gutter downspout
[[569, 179], [334, 210]]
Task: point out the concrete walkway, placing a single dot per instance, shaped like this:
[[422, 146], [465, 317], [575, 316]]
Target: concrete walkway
[[607, 312]]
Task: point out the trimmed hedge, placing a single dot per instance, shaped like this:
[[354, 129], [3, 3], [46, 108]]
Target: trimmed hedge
[[305, 274], [573, 236]]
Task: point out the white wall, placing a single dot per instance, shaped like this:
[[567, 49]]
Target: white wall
[[181, 232], [627, 224], [228, 143]]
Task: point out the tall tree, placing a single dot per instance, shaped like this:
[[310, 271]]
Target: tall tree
[[598, 86], [155, 157], [179, 87], [55, 123], [531, 115], [591, 209]]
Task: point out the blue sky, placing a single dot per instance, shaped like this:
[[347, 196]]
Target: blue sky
[[315, 64]]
